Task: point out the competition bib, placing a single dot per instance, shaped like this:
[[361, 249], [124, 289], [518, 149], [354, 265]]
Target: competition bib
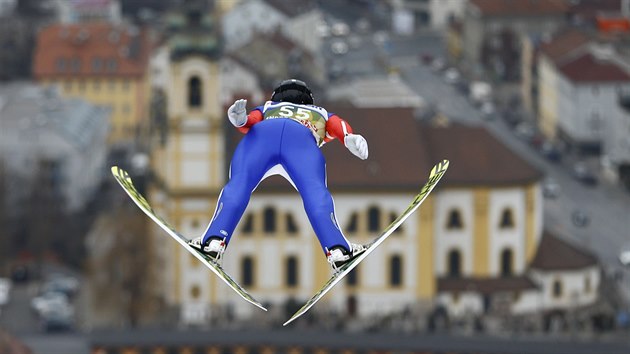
[[312, 117]]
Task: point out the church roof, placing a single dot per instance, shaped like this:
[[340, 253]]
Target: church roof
[[556, 254]]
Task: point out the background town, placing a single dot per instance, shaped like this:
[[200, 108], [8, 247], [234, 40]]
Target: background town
[[524, 247]]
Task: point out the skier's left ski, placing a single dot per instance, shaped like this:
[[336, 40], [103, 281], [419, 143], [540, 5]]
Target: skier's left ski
[[434, 177], [127, 184]]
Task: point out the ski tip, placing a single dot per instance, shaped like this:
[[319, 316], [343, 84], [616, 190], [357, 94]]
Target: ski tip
[[440, 167]]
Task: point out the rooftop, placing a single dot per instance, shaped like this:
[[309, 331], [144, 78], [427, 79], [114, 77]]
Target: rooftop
[[588, 68], [556, 254], [91, 49]]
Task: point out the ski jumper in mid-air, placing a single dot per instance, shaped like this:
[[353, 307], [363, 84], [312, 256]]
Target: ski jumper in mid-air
[[284, 137]]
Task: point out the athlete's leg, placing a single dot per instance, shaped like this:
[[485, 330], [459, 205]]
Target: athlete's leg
[[306, 166], [255, 154]]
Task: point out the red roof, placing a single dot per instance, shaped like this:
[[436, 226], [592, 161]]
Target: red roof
[[564, 43], [521, 8], [586, 68], [91, 49]]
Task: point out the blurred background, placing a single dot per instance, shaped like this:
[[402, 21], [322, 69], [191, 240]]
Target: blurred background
[[524, 247]]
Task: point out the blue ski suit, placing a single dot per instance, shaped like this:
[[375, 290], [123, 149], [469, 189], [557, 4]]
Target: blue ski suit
[[283, 138]]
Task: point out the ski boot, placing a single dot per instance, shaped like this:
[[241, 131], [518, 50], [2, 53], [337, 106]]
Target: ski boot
[[338, 256], [213, 247]]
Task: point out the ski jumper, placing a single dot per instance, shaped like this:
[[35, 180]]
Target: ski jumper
[[283, 138]]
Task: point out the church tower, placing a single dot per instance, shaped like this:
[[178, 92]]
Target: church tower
[[188, 161]]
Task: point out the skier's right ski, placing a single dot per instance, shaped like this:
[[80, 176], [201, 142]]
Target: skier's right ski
[[127, 184]]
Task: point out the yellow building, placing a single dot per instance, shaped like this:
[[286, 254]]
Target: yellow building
[[102, 63]]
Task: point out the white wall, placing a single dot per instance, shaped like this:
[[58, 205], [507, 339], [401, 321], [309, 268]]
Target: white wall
[[573, 282]]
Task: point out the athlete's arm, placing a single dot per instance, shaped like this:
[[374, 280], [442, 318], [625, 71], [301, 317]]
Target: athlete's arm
[[336, 128], [255, 116], [340, 129]]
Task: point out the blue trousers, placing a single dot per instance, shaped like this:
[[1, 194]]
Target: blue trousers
[[291, 145]]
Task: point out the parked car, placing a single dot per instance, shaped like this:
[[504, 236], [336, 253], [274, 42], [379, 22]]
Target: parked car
[[49, 301], [58, 319], [550, 188], [579, 218], [551, 151], [339, 47], [451, 76], [583, 174]]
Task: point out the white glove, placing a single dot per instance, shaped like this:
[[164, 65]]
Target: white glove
[[357, 145], [236, 113]]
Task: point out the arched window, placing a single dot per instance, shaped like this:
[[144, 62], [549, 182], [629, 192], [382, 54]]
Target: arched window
[[374, 219], [392, 217], [269, 219], [506, 263], [352, 279], [292, 228], [248, 224], [247, 271], [292, 271], [195, 92], [454, 220], [395, 271], [454, 264], [557, 288], [353, 223], [507, 219]]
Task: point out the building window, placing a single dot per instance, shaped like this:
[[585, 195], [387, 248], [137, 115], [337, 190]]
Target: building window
[[292, 228], [392, 217], [247, 271], [97, 64], [248, 224], [557, 289], [269, 219], [454, 221], [506, 263], [96, 85], [125, 85], [195, 92], [352, 279], [67, 86], [112, 85], [507, 219], [292, 271], [76, 64], [374, 219], [454, 264], [112, 65], [195, 292], [353, 224], [395, 270], [60, 63]]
